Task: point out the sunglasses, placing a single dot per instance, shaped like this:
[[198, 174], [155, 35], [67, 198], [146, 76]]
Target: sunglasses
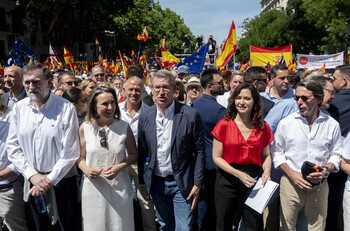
[[103, 141], [303, 97], [70, 83], [283, 78], [261, 80]]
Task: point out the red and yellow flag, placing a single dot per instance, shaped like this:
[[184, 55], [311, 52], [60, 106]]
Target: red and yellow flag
[[116, 67], [1, 69], [142, 59], [144, 35], [125, 66], [100, 60], [168, 58], [263, 55], [163, 45], [323, 69], [248, 64], [229, 48], [241, 68], [68, 58]]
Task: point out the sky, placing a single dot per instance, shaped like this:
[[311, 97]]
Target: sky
[[205, 17]]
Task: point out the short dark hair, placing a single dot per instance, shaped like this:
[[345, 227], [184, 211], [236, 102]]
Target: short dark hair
[[253, 73], [34, 66], [278, 67], [63, 73], [320, 79], [72, 94], [135, 70], [315, 87], [207, 76], [91, 114], [256, 114], [344, 70]]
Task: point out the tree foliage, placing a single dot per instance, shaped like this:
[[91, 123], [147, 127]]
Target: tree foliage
[[311, 27]]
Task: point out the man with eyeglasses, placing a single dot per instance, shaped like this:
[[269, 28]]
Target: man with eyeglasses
[[13, 81], [171, 155], [279, 90], [315, 137], [66, 80], [340, 111], [211, 112], [43, 145], [98, 74]]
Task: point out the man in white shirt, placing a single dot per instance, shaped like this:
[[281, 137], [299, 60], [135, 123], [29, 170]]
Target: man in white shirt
[[43, 145], [316, 138], [171, 155], [236, 80], [130, 111], [11, 191]]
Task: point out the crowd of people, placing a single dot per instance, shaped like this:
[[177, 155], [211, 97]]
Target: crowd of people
[[182, 153]]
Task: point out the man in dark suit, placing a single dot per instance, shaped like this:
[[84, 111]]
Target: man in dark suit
[[171, 155], [13, 81], [211, 112]]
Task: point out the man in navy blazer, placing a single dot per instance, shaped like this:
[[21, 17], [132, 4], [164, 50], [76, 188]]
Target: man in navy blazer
[[171, 155]]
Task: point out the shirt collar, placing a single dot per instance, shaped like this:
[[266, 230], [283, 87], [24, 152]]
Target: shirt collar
[[170, 110], [21, 96], [321, 116]]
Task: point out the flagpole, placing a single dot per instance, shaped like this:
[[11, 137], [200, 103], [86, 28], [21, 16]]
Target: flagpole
[[234, 62], [138, 53]]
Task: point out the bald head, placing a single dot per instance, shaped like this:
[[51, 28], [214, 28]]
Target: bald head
[[12, 79]]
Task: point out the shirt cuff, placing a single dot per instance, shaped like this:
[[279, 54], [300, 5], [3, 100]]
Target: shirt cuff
[[13, 169], [278, 161], [29, 172], [336, 161]]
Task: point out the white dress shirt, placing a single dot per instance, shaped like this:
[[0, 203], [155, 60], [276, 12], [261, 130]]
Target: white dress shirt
[[4, 161], [295, 143], [133, 122], [223, 99], [346, 155], [164, 125], [44, 141]]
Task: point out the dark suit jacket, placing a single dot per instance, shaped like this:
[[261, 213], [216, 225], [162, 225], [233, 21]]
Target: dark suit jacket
[[187, 147], [267, 105], [6, 97], [211, 112], [340, 110]]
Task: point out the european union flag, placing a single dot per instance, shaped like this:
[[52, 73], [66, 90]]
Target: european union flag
[[18, 59], [196, 61], [9, 61], [22, 49]]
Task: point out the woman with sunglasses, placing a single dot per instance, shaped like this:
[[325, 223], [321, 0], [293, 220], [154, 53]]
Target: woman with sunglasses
[[106, 188], [79, 99], [241, 152]]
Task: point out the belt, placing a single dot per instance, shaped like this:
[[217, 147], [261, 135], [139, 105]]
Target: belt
[[7, 186], [169, 178]]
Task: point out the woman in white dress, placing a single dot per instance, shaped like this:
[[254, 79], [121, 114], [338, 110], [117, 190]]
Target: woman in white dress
[[106, 187]]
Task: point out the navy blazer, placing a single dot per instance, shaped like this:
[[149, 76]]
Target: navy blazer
[[187, 147]]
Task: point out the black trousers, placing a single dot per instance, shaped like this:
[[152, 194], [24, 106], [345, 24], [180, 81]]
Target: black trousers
[[67, 205], [230, 197]]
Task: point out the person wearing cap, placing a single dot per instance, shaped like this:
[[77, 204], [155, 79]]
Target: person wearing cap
[[315, 137], [194, 90], [182, 71]]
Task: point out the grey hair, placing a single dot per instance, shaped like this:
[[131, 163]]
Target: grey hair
[[315, 87], [135, 78], [320, 79], [98, 67], [34, 66], [164, 74]]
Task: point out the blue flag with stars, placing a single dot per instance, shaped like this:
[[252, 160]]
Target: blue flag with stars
[[22, 49], [9, 61], [196, 61]]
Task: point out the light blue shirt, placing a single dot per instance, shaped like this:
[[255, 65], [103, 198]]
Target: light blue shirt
[[289, 94]]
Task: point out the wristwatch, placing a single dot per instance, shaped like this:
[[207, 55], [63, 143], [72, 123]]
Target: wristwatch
[[327, 173]]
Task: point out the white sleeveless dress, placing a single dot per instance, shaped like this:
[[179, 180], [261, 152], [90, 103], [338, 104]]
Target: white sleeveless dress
[[107, 204]]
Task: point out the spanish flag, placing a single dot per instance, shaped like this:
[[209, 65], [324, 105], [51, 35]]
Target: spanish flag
[[142, 58], [68, 58], [116, 68], [99, 52], [1, 69], [263, 55], [168, 58], [229, 48], [241, 68], [323, 69], [144, 35], [125, 66]]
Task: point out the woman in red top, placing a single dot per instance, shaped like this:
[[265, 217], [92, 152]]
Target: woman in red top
[[241, 152]]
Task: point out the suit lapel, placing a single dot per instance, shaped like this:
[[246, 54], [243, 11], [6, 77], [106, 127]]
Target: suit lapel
[[152, 129], [178, 113]]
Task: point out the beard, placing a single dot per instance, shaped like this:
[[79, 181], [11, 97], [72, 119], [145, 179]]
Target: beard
[[37, 96]]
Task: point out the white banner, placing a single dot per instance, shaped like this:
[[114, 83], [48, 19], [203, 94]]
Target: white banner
[[317, 61]]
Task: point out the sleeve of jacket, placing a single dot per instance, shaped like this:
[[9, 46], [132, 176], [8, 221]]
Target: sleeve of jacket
[[199, 150], [142, 149]]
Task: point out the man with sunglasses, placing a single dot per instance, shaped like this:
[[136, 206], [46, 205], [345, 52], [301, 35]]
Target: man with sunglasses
[[211, 112], [66, 80], [279, 90], [43, 145], [315, 137], [98, 74]]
